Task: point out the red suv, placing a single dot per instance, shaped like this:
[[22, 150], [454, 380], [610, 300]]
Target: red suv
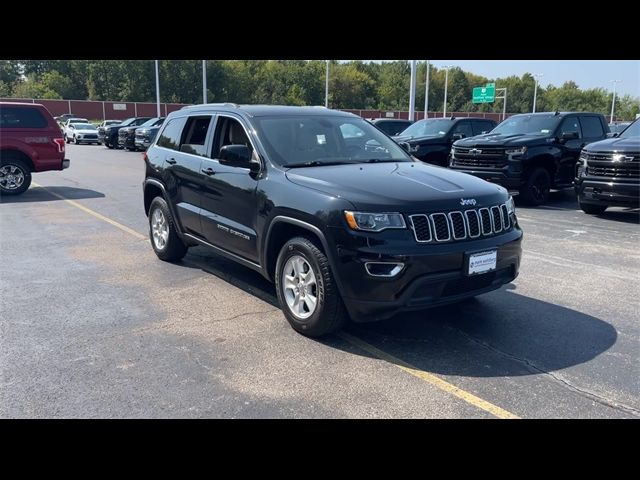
[[30, 141]]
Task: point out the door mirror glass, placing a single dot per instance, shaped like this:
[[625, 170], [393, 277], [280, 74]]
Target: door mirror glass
[[236, 156]]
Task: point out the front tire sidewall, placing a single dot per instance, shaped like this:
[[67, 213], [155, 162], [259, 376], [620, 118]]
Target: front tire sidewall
[[536, 191], [26, 172]]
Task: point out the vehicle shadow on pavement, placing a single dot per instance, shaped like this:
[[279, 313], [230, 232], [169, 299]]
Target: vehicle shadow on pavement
[[564, 199], [40, 194], [626, 215], [498, 334]]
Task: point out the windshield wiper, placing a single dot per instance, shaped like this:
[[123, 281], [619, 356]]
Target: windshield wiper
[[316, 163], [381, 160]]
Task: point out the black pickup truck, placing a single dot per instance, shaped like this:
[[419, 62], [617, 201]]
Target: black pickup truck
[[530, 153], [110, 133], [608, 173]]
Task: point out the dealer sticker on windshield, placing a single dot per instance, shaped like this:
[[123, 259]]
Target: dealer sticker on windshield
[[482, 262]]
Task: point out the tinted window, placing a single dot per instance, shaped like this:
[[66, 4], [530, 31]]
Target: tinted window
[[229, 132], [12, 117], [591, 127], [351, 131], [170, 136], [537, 124], [632, 131], [432, 126], [482, 126], [463, 128], [570, 124], [195, 134]]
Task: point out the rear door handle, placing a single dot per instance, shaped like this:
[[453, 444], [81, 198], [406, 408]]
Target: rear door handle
[[208, 171], [171, 161]]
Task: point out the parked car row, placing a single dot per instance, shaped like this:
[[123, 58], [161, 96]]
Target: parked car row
[[530, 154], [133, 133]]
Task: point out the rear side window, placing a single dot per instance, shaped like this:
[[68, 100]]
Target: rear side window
[[195, 134], [591, 127], [20, 117], [171, 133]]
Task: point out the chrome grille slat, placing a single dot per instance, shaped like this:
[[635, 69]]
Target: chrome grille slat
[[440, 227]]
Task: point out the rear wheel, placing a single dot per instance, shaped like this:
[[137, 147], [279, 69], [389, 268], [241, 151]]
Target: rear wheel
[[15, 177], [536, 190], [162, 232], [306, 289], [592, 209]]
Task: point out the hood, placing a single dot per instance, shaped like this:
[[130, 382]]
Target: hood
[[492, 140], [404, 186], [615, 145], [422, 139]]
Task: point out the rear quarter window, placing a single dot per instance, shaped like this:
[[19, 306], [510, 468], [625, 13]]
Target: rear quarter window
[[171, 134], [21, 117]]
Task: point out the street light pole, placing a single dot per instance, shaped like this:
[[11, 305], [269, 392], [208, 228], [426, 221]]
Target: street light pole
[[204, 81], [535, 89], [326, 87], [426, 93], [412, 92], [446, 84], [613, 101], [157, 90]]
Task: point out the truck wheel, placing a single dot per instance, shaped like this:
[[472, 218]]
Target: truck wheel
[[306, 289], [66, 139], [162, 232], [536, 190], [108, 144], [15, 177], [75, 140], [592, 209]]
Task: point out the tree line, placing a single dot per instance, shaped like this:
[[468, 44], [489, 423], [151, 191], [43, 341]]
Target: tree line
[[352, 85]]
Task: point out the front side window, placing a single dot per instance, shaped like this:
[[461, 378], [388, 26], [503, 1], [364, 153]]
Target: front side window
[[229, 131], [325, 139], [570, 125], [19, 117], [464, 128]]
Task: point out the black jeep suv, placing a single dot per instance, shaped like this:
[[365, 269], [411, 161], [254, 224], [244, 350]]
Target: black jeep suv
[[531, 153], [609, 172], [430, 140], [343, 223]]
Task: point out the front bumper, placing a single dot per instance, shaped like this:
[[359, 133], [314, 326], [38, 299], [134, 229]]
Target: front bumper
[[142, 142], [612, 192], [503, 176], [432, 275]]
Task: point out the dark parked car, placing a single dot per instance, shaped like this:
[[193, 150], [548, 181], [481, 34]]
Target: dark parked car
[[530, 153], [127, 135], [110, 138], [430, 140], [146, 135], [103, 126], [30, 141], [391, 126], [608, 173], [343, 224]]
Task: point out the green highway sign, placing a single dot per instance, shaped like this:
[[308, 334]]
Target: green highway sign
[[486, 94]]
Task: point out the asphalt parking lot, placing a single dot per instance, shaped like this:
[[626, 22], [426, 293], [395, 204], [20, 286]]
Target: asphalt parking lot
[[94, 325]]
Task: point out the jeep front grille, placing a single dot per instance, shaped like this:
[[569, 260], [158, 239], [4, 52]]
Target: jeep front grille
[[442, 227]]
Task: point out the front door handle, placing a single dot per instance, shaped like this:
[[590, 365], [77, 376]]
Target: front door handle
[[208, 171], [171, 161]]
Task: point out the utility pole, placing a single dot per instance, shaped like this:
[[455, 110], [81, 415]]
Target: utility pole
[[157, 90], [412, 92], [426, 93], [204, 81], [326, 87], [446, 84], [613, 101], [535, 89]]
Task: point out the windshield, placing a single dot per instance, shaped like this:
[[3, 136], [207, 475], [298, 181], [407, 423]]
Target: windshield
[[77, 120], [531, 124], [429, 127], [112, 122], [150, 123], [632, 131], [295, 141], [84, 126]]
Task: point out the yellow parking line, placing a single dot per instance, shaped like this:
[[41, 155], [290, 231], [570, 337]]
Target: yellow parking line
[[429, 378], [410, 369], [95, 214]]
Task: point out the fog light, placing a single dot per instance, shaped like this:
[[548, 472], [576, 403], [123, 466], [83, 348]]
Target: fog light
[[383, 269]]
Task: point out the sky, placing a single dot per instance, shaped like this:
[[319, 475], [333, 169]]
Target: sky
[[586, 73]]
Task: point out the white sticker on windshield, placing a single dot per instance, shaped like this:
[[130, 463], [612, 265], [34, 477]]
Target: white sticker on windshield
[[544, 130], [322, 140]]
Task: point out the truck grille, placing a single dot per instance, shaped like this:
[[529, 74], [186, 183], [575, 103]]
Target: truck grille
[[604, 164], [479, 157], [444, 227]]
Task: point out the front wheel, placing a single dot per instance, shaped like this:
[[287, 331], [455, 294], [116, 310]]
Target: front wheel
[[15, 177], [536, 190], [75, 140], [592, 209], [163, 234], [306, 289]]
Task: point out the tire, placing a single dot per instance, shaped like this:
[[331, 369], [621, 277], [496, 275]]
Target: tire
[[536, 190], [75, 140], [591, 208], [66, 139], [328, 314], [20, 175], [108, 144], [162, 232]]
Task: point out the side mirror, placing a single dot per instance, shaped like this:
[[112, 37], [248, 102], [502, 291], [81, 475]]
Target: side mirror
[[404, 146], [457, 136], [569, 136], [612, 135], [237, 156]]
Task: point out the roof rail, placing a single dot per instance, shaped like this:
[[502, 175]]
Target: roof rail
[[220, 104], [318, 106]]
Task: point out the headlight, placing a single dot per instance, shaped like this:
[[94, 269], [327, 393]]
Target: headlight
[[374, 222], [413, 148], [511, 206], [516, 151]]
